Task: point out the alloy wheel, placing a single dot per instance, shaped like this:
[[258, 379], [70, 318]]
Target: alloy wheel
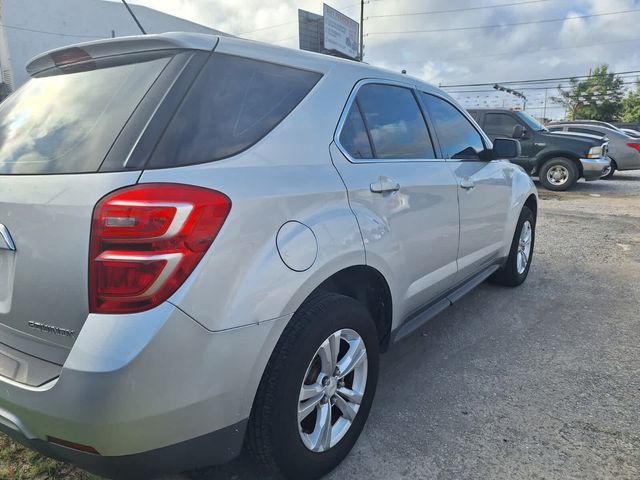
[[332, 390], [524, 247]]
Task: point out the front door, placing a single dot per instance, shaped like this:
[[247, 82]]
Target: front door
[[405, 199], [483, 186]]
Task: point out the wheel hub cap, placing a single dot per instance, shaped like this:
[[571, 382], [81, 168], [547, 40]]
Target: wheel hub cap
[[332, 390], [557, 175]]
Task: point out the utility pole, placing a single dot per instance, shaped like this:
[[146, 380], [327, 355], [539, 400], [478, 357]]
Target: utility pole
[[135, 19], [544, 111], [361, 55]]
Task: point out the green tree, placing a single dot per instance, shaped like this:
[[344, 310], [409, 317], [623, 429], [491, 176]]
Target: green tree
[[631, 105], [597, 97]]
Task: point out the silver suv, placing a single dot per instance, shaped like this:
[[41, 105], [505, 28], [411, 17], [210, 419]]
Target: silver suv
[[206, 242]]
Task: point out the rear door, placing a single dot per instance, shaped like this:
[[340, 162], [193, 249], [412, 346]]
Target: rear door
[[484, 187], [55, 133], [403, 196]]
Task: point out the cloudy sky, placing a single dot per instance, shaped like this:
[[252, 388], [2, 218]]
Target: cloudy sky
[[556, 46]]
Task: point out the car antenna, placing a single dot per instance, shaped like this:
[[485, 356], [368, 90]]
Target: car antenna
[[134, 17]]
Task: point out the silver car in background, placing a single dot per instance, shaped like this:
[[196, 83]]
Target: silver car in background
[[624, 150], [206, 242]]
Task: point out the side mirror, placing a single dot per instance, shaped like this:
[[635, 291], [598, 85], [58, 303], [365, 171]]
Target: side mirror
[[518, 131], [506, 148]]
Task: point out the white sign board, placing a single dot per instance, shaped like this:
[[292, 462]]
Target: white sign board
[[340, 32]]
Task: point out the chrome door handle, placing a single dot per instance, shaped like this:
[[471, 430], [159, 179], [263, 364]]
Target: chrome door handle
[[385, 184], [467, 183]]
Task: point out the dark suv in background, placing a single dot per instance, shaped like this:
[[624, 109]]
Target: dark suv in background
[[558, 160]]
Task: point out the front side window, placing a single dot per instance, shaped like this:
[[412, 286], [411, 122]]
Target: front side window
[[500, 125], [394, 121], [458, 138], [232, 105]]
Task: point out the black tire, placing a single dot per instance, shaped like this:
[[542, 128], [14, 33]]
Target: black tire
[[273, 436], [567, 165], [614, 167], [509, 275]]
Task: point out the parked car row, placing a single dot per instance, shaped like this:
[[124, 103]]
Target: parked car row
[[562, 152], [624, 147]]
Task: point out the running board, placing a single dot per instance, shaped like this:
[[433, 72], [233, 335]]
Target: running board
[[431, 310]]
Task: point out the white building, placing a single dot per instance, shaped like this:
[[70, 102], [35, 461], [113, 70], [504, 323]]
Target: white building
[[30, 27]]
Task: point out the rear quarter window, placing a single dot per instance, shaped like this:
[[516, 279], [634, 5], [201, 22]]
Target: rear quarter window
[[233, 104]]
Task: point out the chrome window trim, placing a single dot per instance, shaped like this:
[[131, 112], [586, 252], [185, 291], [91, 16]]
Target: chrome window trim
[[347, 109]]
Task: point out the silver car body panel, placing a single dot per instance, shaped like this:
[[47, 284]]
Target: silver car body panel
[[137, 382], [44, 281], [121, 393]]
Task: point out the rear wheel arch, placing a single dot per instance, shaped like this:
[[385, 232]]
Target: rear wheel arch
[[369, 287], [532, 203]]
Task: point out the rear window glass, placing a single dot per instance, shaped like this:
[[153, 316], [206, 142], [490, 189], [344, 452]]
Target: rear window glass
[[232, 105], [67, 123]]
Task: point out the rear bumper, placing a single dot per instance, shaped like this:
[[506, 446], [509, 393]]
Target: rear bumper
[[212, 449], [594, 168], [145, 386]]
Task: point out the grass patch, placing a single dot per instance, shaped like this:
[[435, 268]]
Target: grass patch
[[20, 463]]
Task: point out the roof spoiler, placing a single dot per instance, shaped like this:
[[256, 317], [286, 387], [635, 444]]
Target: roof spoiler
[[121, 46]]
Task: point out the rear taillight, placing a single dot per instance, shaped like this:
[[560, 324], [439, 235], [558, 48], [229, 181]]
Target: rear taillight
[[635, 146], [146, 240]]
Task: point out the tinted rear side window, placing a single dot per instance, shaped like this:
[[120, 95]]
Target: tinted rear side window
[[233, 103], [458, 138], [395, 123], [67, 123], [354, 137]]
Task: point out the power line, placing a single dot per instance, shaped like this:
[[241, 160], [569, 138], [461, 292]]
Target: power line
[[266, 28], [484, 27], [455, 10], [548, 87], [14, 27], [542, 80], [510, 54]]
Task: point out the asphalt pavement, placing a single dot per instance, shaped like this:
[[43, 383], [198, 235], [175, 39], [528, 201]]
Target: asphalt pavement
[[536, 382]]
